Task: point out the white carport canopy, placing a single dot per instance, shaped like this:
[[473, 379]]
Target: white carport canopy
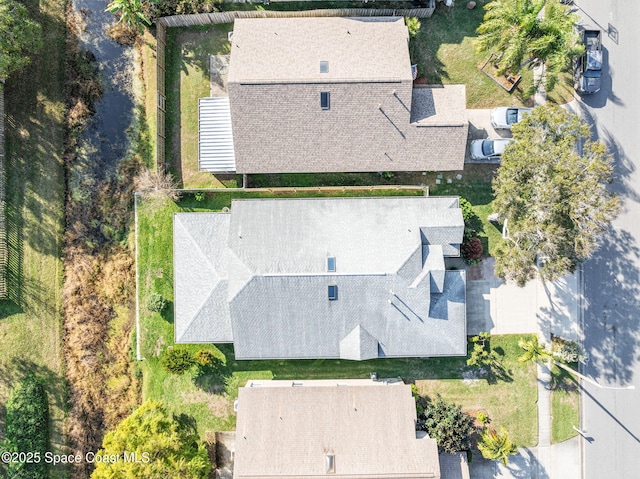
[[215, 138]]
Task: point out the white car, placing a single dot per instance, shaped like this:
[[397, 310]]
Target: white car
[[490, 148], [502, 118]]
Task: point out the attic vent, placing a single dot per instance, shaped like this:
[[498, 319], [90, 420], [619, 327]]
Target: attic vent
[[333, 292], [330, 463], [331, 264], [324, 67]]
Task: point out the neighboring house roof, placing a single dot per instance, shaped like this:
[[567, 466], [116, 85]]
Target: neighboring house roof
[[372, 118], [300, 429], [215, 137], [393, 296], [291, 49]]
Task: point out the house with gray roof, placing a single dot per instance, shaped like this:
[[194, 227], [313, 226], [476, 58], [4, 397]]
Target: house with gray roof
[[350, 278], [332, 94], [337, 428]]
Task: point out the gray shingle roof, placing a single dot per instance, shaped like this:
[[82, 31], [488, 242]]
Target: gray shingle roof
[[368, 429], [394, 297], [201, 278]]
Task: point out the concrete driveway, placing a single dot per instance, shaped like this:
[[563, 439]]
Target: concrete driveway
[[480, 128], [505, 308]]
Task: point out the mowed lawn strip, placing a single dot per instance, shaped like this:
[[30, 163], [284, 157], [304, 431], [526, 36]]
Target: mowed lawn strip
[[187, 80], [565, 411], [512, 404], [30, 320], [209, 399]]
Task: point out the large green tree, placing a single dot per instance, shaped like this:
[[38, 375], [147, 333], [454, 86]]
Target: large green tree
[[20, 36], [552, 190], [157, 444], [525, 31]]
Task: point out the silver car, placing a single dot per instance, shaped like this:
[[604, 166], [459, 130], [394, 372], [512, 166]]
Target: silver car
[[491, 148], [502, 118]]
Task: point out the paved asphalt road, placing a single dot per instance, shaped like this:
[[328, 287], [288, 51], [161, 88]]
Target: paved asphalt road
[[612, 277]]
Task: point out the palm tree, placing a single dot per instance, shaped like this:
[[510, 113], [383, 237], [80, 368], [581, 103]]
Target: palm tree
[[529, 31], [534, 351], [496, 446], [131, 13]]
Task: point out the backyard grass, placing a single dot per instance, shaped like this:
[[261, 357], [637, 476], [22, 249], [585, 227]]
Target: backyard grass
[[30, 320], [146, 48], [445, 54], [511, 403], [187, 80], [210, 399], [565, 411]]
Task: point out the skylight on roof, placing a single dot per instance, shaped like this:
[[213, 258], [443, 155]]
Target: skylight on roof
[[324, 100], [329, 460], [331, 264], [324, 67], [333, 292]]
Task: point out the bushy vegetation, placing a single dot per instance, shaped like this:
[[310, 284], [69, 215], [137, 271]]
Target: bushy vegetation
[[496, 445], [447, 424], [156, 303], [164, 446], [177, 360], [27, 428], [472, 250]]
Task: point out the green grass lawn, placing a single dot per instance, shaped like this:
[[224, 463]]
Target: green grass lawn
[[187, 80], [30, 320], [565, 410], [510, 403], [445, 54], [210, 400]]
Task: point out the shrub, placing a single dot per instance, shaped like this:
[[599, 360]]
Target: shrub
[[204, 357], [27, 427], [199, 195], [472, 250], [568, 352], [413, 25], [496, 445], [177, 360], [483, 417], [447, 424], [472, 222], [156, 303]]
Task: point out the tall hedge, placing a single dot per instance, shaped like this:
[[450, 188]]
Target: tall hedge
[[27, 425]]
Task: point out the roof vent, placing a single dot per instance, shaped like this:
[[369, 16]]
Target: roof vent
[[324, 67], [329, 460]]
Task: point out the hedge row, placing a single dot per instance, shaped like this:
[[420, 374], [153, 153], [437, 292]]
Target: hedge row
[[27, 423]]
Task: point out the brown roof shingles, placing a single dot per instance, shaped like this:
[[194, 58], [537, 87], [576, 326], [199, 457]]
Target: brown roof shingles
[[370, 430]]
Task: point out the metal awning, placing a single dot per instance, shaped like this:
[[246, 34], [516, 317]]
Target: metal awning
[[215, 137]]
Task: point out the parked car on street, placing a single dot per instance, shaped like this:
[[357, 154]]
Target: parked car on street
[[490, 148], [587, 69], [502, 118]]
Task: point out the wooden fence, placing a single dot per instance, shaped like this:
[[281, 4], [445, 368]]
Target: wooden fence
[[3, 181], [161, 98], [229, 17]]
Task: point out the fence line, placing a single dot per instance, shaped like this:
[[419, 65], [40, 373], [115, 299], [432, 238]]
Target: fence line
[[308, 189], [3, 181], [228, 17], [161, 98]]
